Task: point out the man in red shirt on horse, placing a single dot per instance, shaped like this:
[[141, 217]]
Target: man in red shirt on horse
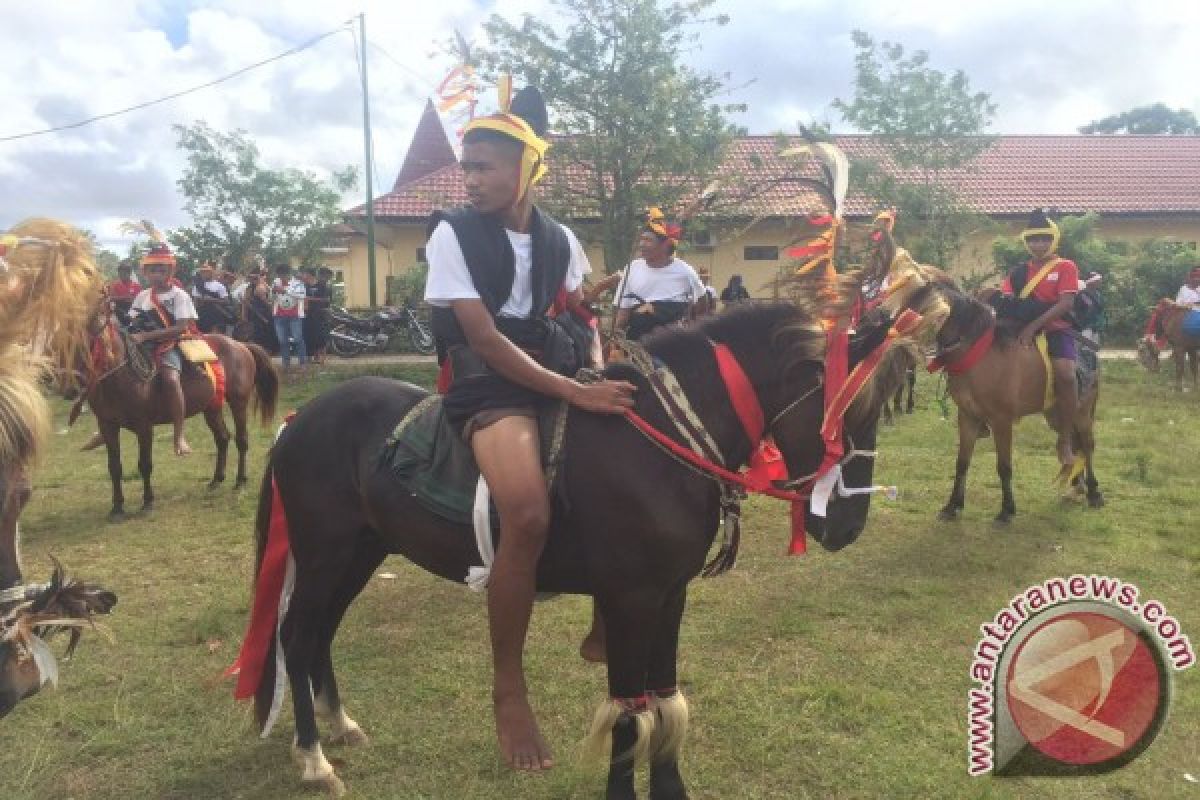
[[1040, 294]]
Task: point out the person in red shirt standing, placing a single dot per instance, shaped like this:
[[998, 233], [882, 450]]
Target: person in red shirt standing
[[122, 291], [1041, 294]]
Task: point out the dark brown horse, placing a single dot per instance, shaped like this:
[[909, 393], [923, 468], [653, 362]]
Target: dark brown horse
[[1168, 324], [121, 398], [632, 530], [992, 393]]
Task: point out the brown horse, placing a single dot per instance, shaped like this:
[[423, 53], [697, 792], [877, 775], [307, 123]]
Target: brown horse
[[1167, 323], [120, 397], [48, 284], [1005, 383]]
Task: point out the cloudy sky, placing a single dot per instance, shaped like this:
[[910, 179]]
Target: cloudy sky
[[1049, 66]]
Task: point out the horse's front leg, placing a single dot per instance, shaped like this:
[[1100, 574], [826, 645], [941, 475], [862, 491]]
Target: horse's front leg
[[1002, 435], [145, 439], [1179, 355], [625, 721], [111, 432], [968, 431], [668, 703]]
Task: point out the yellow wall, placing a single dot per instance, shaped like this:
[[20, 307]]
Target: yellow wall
[[396, 248]]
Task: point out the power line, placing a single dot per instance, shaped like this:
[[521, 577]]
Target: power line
[[178, 94], [423, 79]]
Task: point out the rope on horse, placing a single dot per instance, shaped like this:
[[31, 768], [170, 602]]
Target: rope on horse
[[140, 361]]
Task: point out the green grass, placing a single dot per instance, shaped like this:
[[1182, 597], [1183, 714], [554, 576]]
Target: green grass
[[831, 676]]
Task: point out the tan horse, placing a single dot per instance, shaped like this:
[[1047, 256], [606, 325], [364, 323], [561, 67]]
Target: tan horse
[[1006, 382], [1167, 323], [121, 398], [48, 284]]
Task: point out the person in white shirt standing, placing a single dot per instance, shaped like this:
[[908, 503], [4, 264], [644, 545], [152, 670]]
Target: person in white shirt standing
[[658, 288], [287, 308]]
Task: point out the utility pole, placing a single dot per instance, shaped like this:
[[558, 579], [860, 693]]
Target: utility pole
[[362, 38]]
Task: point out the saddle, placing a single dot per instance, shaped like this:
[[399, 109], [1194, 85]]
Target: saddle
[[433, 463]]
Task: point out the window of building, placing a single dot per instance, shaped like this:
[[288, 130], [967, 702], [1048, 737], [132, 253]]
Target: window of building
[[760, 252]]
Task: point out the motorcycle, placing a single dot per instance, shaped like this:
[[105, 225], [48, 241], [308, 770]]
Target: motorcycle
[[352, 334]]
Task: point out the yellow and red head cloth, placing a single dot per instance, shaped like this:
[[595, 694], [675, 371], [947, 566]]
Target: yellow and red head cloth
[[884, 221], [656, 223], [533, 156]]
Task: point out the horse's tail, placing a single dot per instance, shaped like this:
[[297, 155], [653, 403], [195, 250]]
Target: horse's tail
[[266, 382]]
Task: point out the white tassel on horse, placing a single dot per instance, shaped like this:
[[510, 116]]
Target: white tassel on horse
[[597, 746], [671, 726]]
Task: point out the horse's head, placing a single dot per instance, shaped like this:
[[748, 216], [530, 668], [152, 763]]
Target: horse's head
[[28, 618], [1148, 353]]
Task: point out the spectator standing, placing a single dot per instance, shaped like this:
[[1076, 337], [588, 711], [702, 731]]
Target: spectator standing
[[287, 311]]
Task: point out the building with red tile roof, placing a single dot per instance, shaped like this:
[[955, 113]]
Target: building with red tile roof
[[1142, 186]]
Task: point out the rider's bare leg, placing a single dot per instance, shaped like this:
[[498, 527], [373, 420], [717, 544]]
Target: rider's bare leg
[[175, 406], [1066, 404], [507, 453]]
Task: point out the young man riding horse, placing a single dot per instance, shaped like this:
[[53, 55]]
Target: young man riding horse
[[167, 313], [495, 270], [658, 288], [1039, 295]]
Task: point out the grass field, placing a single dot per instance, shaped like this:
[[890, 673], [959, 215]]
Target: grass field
[[831, 676]]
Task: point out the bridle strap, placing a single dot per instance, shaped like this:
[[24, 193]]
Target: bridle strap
[[741, 394]]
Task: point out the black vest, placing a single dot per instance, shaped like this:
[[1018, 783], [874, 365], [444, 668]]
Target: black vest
[[490, 260]]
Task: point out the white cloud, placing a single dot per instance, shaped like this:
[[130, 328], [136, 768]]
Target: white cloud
[[1049, 66]]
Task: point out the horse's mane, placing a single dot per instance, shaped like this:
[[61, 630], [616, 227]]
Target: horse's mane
[[972, 317], [47, 294], [792, 331]]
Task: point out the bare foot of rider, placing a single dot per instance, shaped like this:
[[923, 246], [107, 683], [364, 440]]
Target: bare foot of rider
[[182, 448], [521, 743]]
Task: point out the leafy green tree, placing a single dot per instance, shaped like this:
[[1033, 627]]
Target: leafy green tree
[[929, 123], [241, 209], [1157, 118], [643, 127]]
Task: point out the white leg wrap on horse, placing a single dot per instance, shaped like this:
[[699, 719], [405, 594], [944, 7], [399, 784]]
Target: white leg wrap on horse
[[597, 746], [317, 771], [671, 726], [342, 729]]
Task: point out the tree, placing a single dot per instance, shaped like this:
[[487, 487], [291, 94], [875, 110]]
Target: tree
[[929, 124], [643, 128], [1157, 118], [240, 208], [106, 260]]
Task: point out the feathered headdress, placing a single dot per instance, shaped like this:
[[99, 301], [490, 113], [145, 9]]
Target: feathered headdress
[[833, 185], [159, 252]]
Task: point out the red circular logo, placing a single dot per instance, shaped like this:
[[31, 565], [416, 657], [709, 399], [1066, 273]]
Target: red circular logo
[[1084, 688]]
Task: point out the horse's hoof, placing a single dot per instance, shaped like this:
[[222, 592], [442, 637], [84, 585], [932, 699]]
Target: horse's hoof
[[1003, 518], [1095, 500], [317, 771], [240, 483], [213, 484], [146, 508], [948, 514], [351, 737], [116, 515], [331, 784]]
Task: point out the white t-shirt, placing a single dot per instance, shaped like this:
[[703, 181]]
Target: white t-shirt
[[1188, 296], [213, 287], [174, 301], [449, 279], [676, 282]]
